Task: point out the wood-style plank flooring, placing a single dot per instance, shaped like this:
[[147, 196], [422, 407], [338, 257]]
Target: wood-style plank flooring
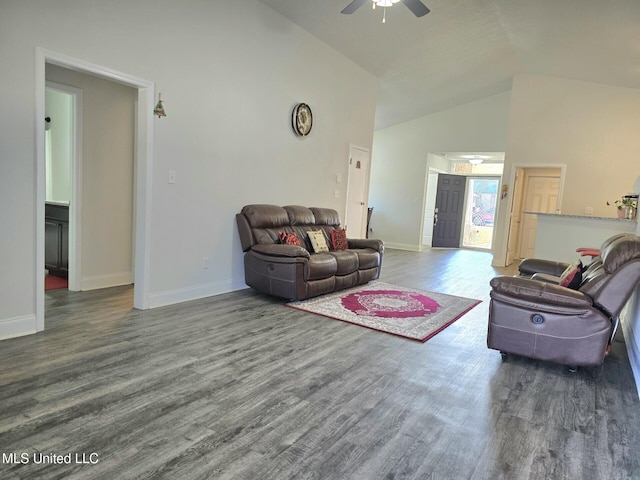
[[238, 386]]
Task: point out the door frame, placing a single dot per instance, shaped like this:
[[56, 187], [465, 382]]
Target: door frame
[[143, 156], [365, 188], [512, 181]]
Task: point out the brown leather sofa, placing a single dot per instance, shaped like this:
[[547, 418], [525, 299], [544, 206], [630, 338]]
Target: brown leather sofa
[[546, 321], [296, 272]]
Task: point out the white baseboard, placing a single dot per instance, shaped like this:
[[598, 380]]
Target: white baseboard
[[403, 246], [94, 282], [171, 297], [18, 327]]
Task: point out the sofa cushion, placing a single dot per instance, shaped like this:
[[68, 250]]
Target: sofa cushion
[[326, 216], [321, 265], [339, 239], [261, 224], [318, 242], [265, 216], [299, 215], [367, 258], [347, 261], [619, 250]]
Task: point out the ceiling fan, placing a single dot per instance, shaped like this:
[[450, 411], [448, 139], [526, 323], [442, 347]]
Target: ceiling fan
[[416, 6]]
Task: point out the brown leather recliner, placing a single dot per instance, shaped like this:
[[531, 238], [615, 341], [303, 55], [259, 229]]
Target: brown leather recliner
[[296, 272], [546, 321]]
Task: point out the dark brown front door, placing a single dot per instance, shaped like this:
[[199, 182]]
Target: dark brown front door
[[449, 207]]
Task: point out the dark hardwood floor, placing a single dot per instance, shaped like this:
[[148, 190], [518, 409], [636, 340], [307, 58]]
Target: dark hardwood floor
[[240, 387]]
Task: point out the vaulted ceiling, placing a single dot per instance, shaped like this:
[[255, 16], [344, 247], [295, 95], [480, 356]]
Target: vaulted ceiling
[[465, 50]]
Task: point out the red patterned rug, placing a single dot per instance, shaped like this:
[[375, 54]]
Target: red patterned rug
[[406, 312]]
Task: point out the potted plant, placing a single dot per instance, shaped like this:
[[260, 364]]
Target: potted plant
[[627, 206]]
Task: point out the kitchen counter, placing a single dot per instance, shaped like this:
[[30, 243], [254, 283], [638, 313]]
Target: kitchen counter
[[569, 215], [559, 234]]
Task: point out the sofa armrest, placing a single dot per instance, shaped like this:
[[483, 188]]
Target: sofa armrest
[[537, 295], [279, 250], [529, 266], [546, 278], [374, 244]]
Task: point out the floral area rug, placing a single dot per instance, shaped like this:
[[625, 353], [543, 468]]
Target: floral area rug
[[402, 311]]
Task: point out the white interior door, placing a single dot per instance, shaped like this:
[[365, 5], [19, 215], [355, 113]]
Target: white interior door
[[515, 218], [541, 195], [356, 215]]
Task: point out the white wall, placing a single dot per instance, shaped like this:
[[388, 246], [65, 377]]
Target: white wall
[[108, 128], [58, 107], [230, 74], [399, 162]]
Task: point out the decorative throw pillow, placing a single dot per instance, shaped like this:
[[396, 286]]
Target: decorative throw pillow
[[572, 276], [318, 241], [289, 239], [339, 239]]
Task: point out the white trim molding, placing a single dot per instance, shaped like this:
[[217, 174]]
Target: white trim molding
[[403, 246], [18, 326], [95, 282], [196, 292]]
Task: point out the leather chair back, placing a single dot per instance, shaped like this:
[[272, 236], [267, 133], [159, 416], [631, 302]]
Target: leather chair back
[[611, 281]]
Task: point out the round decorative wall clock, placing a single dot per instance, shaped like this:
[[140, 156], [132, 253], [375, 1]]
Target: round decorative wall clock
[[302, 119]]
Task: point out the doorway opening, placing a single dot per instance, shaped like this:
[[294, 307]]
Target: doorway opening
[[480, 211], [466, 214], [63, 105]]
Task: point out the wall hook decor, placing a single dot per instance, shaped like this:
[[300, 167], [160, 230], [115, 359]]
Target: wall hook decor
[[159, 110]]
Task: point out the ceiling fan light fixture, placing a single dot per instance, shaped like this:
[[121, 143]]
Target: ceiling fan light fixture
[[476, 160], [418, 8]]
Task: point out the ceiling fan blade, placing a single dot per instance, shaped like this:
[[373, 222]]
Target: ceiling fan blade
[[417, 7], [353, 6]]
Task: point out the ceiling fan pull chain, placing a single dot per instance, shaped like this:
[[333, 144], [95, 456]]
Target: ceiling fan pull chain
[[384, 15]]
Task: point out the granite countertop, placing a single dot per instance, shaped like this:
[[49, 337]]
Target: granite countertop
[[588, 217]]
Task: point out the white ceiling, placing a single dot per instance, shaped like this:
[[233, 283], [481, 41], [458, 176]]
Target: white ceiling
[[465, 50]]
